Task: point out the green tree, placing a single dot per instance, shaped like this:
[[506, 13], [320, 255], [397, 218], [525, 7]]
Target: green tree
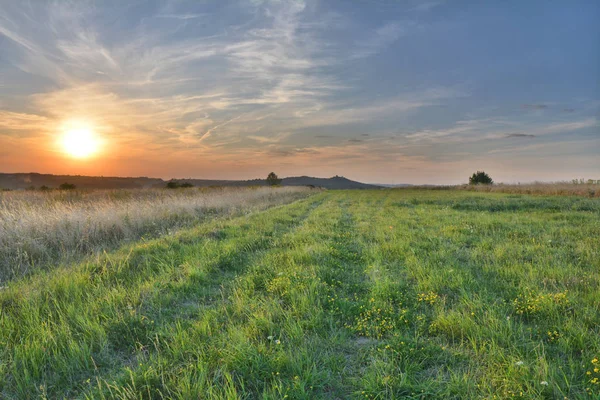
[[273, 179], [480, 177]]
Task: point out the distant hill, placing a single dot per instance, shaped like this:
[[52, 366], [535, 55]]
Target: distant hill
[[35, 180], [336, 182]]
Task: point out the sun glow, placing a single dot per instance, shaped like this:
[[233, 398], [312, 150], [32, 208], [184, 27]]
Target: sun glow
[[80, 142]]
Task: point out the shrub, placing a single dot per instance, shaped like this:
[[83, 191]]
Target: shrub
[[480, 177], [67, 186], [177, 185]]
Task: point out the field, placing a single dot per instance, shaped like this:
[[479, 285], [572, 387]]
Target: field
[[374, 294]]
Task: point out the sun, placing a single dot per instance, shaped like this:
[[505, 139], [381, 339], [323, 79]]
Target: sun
[[80, 142]]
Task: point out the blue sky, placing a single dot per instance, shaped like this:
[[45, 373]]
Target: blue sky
[[378, 91]]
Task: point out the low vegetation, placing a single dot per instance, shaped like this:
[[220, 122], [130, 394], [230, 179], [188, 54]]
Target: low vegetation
[[178, 185], [38, 228], [362, 294], [591, 189], [273, 179], [480, 178]]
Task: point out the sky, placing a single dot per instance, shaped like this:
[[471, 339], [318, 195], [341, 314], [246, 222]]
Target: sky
[[379, 91]]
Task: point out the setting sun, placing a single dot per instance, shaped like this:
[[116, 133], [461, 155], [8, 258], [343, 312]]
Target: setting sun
[[80, 143]]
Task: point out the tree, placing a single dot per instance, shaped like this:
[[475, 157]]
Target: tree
[[480, 177], [67, 186], [273, 179]]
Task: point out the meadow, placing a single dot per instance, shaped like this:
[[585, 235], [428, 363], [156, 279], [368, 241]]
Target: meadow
[[374, 294]]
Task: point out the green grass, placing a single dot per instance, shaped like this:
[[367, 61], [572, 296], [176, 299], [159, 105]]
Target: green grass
[[348, 294]]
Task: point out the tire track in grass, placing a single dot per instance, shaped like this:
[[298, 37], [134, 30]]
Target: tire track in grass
[[348, 290], [397, 355], [226, 330], [183, 303], [67, 328]]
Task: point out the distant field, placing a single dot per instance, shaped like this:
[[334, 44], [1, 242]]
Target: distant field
[[545, 189], [345, 294], [38, 228]]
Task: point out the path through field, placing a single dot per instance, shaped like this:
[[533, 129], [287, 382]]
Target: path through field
[[346, 294]]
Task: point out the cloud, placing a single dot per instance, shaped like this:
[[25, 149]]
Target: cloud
[[381, 38], [519, 135], [490, 129], [209, 132], [185, 16], [534, 106], [273, 139], [13, 121], [400, 105], [427, 5]]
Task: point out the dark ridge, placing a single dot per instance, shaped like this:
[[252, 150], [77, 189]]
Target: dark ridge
[[35, 180]]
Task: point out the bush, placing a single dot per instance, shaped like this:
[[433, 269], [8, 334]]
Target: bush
[[177, 185], [480, 177], [67, 186]]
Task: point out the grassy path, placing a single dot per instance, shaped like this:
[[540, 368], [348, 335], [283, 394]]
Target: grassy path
[[366, 294]]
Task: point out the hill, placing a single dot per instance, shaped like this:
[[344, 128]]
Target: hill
[[336, 182], [35, 180]]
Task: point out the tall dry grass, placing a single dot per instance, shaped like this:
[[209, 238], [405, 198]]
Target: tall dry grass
[[38, 229], [540, 188]]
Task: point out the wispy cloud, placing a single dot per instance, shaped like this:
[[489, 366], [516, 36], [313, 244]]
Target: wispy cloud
[[520, 135], [381, 38], [489, 129], [535, 106]]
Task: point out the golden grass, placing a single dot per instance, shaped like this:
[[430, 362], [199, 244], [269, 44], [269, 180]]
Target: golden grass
[[39, 228], [540, 188]]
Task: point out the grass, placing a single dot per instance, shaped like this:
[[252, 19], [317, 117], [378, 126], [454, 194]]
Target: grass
[[38, 229], [345, 294], [540, 188]]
